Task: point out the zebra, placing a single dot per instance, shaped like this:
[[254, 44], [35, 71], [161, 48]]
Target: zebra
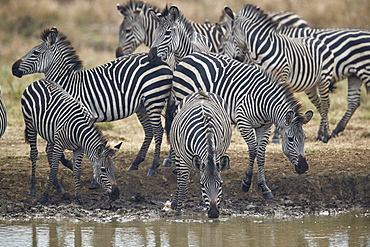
[[48, 110], [306, 63], [112, 91], [255, 102], [138, 26], [350, 48], [200, 135], [175, 38], [3, 116]]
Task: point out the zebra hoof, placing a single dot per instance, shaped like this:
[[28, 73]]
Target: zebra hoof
[[167, 162], [132, 168], [32, 192], [267, 195], [93, 185], [245, 186], [275, 140], [151, 173]]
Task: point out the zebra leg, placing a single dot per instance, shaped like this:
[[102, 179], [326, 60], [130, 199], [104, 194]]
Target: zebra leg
[[313, 96], [66, 163], [354, 93], [325, 105], [33, 157], [148, 132], [263, 134], [248, 136], [275, 138], [158, 135], [182, 186], [49, 152], [77, 155], [55, 157]]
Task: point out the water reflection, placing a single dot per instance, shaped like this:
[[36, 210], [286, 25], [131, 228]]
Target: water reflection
[[342, 230]]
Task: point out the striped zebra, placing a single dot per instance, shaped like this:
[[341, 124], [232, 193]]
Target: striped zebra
[[64, 123], [138, 27], [306, 63], [175, 38], [255, 103], [112, 91], [200, 135], [351, 51], [3, 116]]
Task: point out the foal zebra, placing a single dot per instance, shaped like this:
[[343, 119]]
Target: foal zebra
[[175, 38], [139, 25], [3, 116], [255, 103], [306, 63], [64, 123], [112, 91], [199, 137]]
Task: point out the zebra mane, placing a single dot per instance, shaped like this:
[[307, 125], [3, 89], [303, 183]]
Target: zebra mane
[[136, 6], [68, 51], [291, 100], [257, 14], [181, 19]]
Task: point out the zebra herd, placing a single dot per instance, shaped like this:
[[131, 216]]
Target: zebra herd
[[190, 72]]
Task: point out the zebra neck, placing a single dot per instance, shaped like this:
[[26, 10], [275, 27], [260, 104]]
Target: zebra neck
[[68, 80]]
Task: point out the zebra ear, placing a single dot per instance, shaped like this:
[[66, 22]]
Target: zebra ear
[[121, 9], [224, 163], [174, 13], [197, 162], [289, 117], [52, 36], [308, 116], [229, 13], [154, 15], [113, 152]]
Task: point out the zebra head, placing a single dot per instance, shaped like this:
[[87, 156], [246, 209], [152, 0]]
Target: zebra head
[[293, 138], [172, 35], [104, 169], [55, 50], [211, 182], [136, 28]]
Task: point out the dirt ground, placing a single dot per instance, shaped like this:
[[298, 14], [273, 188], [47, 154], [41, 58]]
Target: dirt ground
[[338, 178]]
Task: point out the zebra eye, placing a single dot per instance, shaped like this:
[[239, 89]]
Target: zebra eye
[[128, 31], [103, 169], [290, 139], [36, 53]]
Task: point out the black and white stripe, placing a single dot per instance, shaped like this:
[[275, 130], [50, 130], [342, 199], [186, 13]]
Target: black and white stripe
[[139, 25], [175, 38], [112, 91], [3, 116], [306, 63], [255, 103], [351, 51], [64, 123], [200, 135]]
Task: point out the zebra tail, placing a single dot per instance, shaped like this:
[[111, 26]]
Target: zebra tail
[[169, 115], [26, 137], [332, 87]]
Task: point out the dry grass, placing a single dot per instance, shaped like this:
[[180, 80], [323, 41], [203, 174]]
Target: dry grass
[[92, 27]]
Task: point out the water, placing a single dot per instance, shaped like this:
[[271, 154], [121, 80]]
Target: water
[[346, 229]]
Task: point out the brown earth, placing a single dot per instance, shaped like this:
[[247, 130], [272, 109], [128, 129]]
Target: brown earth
[[338, 178]]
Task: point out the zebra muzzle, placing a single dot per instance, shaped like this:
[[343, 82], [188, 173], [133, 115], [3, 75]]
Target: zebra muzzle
[[213, 211], [15, 69], [114, 194], [302, 165]]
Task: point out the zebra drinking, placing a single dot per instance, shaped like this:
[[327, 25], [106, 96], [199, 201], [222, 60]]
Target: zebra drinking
[[112, 91], [200, 135], [65, 123], [306, 63], [139, 25], [255, 103]]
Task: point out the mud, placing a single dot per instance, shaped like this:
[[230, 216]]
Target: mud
[[338, 179]]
